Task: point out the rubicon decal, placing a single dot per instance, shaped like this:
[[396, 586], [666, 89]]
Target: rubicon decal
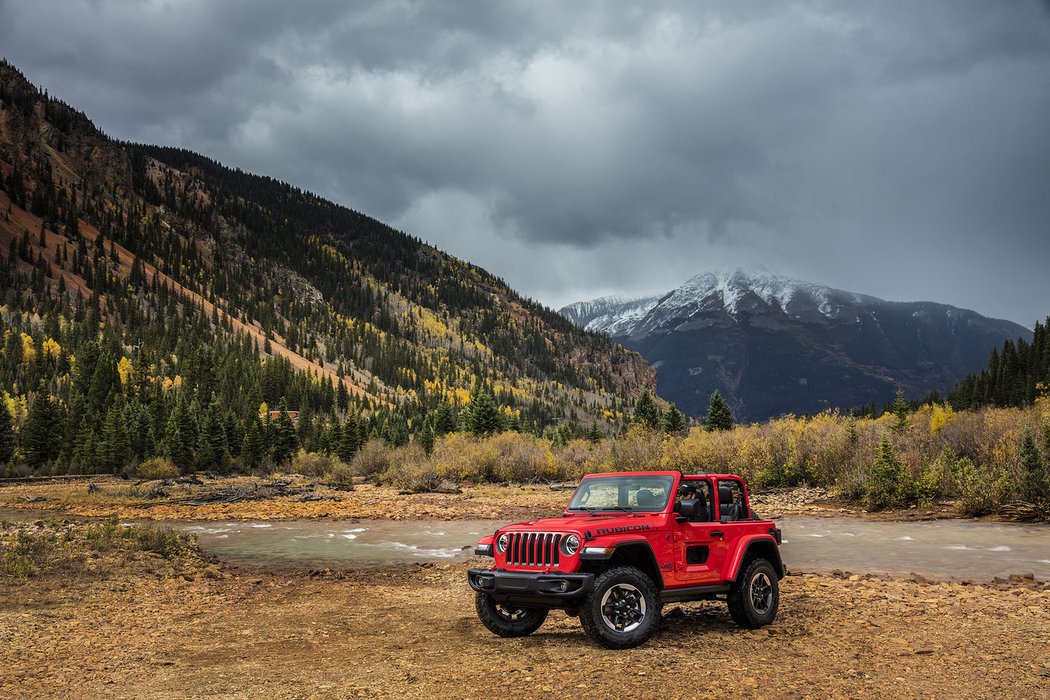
[[625, 528]]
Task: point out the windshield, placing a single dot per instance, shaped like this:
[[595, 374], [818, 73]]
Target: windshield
[[647, 494]]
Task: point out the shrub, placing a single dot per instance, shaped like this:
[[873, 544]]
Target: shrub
[[981, 491], [341, 475], [522, 459], [638, 450], [109, 535], [28, 554], [312, 463], [573, 459], [372, 459], [157, 468], [410, 470]]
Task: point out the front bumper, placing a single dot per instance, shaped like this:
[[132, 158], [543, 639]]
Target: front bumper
[[540, 590]]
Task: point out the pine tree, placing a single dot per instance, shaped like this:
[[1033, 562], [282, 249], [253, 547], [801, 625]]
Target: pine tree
[[444, 419], [889, 483], [253, 449], [7, 434], [173, 446], [116, 445], [646, 412], [426, 437], [204, 457], [675, 422], [38, 434], [483, 416], [900, 410], [285, 440], [719, 415], [1034, 482], [594, 434], [342, 397], [349, 438]]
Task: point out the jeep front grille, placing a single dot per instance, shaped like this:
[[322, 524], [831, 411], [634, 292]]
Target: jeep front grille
[[534, 548]]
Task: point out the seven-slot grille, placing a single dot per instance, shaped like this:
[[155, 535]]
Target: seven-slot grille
[[534, 548]]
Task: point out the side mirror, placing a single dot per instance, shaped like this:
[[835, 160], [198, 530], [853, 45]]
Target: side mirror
[[689, 508]]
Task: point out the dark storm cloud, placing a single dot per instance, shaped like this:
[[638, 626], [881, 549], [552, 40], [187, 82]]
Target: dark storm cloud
[[893, 148]]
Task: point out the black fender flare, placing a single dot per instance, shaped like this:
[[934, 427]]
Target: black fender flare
[[611, 551]]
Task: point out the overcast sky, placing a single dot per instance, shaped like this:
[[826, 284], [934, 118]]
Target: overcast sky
[[576, 149]]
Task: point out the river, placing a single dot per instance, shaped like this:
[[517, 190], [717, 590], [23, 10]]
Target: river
[[948, 549]]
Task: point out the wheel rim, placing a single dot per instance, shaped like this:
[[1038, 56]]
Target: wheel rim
[[761, 593], [511, 614], [623, 607]]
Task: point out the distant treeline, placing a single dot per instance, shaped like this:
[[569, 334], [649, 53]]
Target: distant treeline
[[1015, 375]]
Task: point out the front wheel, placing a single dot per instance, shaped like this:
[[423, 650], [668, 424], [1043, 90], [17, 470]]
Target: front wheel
[[755, 597], [505, 619], [622, 609]]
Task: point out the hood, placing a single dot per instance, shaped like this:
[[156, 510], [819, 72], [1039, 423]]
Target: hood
[[581, 523]]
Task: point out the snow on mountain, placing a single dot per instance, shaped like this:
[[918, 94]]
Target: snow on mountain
[[730, 291], [612, 315]]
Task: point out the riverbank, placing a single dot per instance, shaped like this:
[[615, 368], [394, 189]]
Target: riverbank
[[294, 497], [194, 628]]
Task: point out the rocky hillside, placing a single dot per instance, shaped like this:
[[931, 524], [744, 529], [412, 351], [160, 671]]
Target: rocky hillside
[[776, 345]]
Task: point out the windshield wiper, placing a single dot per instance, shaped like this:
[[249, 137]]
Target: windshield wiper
[[594, 510]]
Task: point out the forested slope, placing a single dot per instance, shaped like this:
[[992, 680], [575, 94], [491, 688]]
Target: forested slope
[[153, 296]]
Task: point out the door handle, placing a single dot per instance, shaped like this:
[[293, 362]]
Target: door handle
[[717, 533]]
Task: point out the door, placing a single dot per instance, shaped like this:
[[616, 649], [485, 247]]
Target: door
[[701, 553], [700, 549]]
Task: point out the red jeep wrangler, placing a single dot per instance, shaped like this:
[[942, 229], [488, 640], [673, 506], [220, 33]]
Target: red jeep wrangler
[[627, 543]]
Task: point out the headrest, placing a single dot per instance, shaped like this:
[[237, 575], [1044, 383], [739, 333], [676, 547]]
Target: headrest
[[725, 495], [644, 498]]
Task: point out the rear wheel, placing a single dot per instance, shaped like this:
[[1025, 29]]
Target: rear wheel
[[507, 620], [622, 609], [755, 597]]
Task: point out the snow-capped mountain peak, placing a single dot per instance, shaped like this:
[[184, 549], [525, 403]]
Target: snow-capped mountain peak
[[731, 291], [613, 315], [733, 287]]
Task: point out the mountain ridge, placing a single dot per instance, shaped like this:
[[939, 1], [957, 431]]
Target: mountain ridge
[[719, 329]]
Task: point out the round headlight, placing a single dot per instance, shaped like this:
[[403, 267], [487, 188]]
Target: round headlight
[[502, 542], [570, 545]]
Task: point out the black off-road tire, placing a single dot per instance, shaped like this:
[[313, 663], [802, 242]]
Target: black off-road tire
[[507, 619], [754, 598], [622, 610]]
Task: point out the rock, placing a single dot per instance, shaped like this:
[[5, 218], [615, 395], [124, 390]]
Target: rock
[[35, 499], [919, 578], [311, 497]]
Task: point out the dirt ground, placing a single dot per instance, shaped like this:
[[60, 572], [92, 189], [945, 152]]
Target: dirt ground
[[298, 497], [412, 632]]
